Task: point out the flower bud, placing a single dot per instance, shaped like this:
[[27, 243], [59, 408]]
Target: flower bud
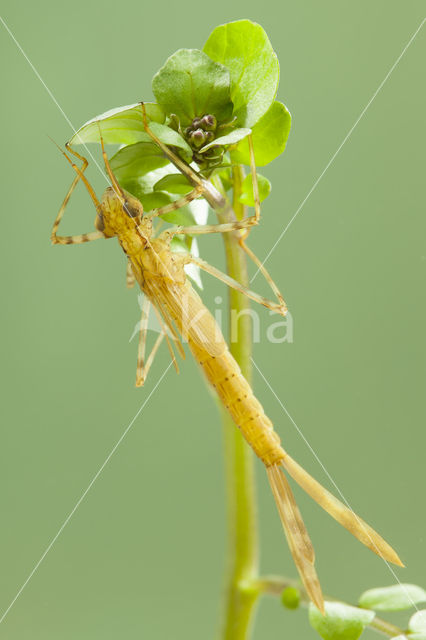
[[290, 598], [197, 138], [208, 123], [195, 124], [174, 122]]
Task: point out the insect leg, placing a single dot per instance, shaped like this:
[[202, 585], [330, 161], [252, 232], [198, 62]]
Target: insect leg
[[211, 194], [169, 345], [130, 276], [279, 307], [210, 228], [254, 179], [183, 167], [144, 366], [142, 339], [296, 534], [114, 182], [86, 237], [142, 373], [173, 206], [262, 269]]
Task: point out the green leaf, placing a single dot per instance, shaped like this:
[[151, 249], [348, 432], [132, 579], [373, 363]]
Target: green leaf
[[269, 137], [182, 216], [190, 84], [136, 160], [126, 127], [136, 169], [174, 183], [123, 125], [142, 186], [247, 197], [417, 622], [341, 621], [231, 138], [153, 200], [172, 138], [244, 48], [394, 598]]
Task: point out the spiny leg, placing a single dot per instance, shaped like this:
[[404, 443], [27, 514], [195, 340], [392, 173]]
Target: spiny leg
[[143, 367], [143, 373], [112, 177], [254, 179], [198, 181], [142, 340], [244, 234], [262, 269], [130, 276], [183, 167], [269, 304], [296, 534], [164, 331], [166, 321], [173, 206], [195, 230], [86, 237], [244, 224]]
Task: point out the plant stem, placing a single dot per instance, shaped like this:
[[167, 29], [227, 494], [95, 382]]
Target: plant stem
[[274, 585], [242, 563], [243, 586]]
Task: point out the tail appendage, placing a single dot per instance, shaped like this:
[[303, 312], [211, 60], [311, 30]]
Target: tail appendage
[[297, 537], [340, 512], [295, 530], [237, 396]]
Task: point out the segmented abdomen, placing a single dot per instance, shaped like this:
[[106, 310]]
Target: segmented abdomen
[[197, 325], [236, 394]]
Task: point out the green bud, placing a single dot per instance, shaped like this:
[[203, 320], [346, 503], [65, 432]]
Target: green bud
[[208, 123], [209, 136], [290, 598], [196, 123], [174, 122], [198, 138]]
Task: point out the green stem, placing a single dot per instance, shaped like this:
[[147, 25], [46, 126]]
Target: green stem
[[242, 564], [243, 586], [274, 585]]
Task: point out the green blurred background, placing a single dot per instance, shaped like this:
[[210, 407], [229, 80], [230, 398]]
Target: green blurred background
[[143, 555]]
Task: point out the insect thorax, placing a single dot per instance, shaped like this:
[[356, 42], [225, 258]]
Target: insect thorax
[[123, 216]]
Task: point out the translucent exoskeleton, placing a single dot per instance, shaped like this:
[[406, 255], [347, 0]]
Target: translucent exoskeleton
[[182, 315]]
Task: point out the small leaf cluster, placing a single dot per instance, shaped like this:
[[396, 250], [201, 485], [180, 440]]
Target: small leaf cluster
[[207, 103], [344, 622]]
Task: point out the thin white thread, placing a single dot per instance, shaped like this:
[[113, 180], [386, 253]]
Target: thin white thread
[[50, 93], [331, 480], [68, 120], [170, 364], [345, 139], [83, 495]]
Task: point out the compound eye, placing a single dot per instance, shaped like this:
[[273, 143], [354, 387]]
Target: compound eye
[[99, 222], [131, 210]]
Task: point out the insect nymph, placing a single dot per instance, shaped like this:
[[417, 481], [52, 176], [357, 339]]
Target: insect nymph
[[161, 276]]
